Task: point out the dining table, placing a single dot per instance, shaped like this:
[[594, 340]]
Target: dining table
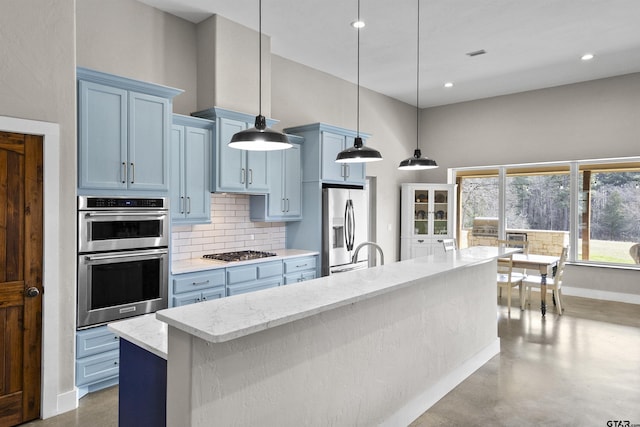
[[542, 263]]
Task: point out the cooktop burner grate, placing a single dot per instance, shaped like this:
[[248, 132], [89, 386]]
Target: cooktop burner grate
[[239, 255]]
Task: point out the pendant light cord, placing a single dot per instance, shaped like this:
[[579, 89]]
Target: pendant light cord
[[418, 83], [260, 57], [358, 80]]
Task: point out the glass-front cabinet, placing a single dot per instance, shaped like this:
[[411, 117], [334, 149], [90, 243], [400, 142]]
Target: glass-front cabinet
[[427, 216]]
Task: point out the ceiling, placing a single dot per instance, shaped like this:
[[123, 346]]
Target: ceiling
[[530, 44]]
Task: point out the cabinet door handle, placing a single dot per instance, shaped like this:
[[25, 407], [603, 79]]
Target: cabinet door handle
[[282, 205], [200, 283], [242, 176], [288, 205], [250, 176], [133, 172], [420, 241], [181, 204], [300, 266], [123, 172], [348, 171], [188, 205]]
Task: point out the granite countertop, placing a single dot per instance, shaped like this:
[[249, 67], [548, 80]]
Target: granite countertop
[[201, 264], [144, 331], [236, 316]]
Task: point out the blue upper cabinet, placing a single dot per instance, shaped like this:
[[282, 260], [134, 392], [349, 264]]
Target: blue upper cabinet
[[123, 133], [233, 170], [284, 201], [322, 144], [190, 159]]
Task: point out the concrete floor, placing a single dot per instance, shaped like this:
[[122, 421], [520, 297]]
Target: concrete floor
[[579, 369]]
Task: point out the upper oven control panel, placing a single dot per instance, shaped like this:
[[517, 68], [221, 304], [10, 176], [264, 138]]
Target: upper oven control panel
[[121, 203]]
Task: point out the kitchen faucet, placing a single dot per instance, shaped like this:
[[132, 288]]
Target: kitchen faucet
[[375, 245]]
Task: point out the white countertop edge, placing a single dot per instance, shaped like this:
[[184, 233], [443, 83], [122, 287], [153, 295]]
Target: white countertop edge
[[144, 331], [258, 311], [194, 265]]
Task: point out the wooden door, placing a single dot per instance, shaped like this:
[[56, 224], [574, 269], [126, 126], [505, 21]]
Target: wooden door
[[20, 277]]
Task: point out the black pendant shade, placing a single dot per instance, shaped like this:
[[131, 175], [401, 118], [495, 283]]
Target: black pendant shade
[[259, 137], [417, 162], [358, 153]]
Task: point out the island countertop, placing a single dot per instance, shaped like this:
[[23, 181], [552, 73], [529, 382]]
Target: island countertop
[[145, 331], [236, 316]]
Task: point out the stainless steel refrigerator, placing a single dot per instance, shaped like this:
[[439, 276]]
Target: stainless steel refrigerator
[[345, 224]]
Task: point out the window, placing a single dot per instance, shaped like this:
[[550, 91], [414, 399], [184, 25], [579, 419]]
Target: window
[[478, 199], [609, 215], [601, 220]]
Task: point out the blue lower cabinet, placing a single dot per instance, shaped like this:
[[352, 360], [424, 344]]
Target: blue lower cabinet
[[143, 387], [189, 288], [97, 368], [254, 277], [299, 277], [243, 288], [97, 361]]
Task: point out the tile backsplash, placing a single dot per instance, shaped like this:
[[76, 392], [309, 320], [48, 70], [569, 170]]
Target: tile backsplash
[[230, 230]]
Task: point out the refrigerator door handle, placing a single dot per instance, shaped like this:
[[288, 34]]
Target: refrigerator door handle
[[347, 225], [350, 220]]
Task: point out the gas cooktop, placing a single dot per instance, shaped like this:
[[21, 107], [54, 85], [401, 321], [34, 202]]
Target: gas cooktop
[[239, 255]]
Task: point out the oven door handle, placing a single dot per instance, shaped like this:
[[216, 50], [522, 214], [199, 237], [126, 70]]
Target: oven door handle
[[159, 215], [132, 254]]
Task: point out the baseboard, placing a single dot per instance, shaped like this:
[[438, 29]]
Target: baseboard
[[65, 402], [601, 295], [419, 405]]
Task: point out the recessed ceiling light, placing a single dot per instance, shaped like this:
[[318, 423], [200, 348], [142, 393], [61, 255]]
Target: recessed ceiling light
[[448, 84], [587, 56], [358, 24]]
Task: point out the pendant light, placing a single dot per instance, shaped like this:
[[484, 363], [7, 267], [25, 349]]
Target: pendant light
[[358, 153], [417, 162], [259, 137]]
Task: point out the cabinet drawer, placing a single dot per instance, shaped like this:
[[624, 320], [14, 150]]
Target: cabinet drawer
[[299, 277], [198, 281], [243, 288], [187, 298], [215, 293], [269, 269], [97, 368], [299, 264], [242, 274], [94, 341]]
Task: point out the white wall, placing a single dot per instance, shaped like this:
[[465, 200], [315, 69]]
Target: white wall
[[596, 119], [228, 72], [302, 95], [130, 39], [37, 82], [590, 120]]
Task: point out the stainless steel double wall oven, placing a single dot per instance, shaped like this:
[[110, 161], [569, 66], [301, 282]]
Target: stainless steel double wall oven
[[123, 257]]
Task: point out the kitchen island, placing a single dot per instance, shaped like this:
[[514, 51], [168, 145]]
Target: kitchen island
[[368, 347]]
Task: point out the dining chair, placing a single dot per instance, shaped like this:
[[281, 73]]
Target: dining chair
[[449, 244], [533, 281], [509, 279], [519, 244]]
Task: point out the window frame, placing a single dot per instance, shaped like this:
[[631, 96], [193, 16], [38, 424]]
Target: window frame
[[574, 168]]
